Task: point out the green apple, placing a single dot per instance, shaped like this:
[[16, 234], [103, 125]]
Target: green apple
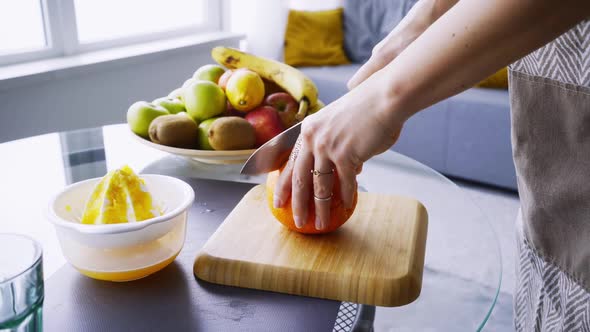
[[204, 100], [204, 134], [188, 82], [141, 114], [210, 73], [177, 93], [172, 105]]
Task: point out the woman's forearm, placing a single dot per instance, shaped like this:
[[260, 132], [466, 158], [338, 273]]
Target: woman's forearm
[[471, 41], [416, 21], [426, 12], [442, 6], [420, 17]]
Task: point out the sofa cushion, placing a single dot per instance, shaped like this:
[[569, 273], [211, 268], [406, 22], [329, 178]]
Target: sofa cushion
[[498, 80], [331, 80], [479, 137], [315, 38], [367, 22], [424, 136]]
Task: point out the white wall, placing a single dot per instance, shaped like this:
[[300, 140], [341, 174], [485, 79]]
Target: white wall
[[93, 97], [264, 22]]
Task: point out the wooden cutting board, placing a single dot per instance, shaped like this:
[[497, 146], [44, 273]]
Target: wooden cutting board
[[376, 257]]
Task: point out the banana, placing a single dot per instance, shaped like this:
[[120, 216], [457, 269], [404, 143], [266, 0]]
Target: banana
[[290, 79], [320, 104]]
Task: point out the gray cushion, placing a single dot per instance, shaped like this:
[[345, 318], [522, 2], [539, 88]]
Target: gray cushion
[[478, 145], [367, 22], [424, 136], [331, 80], [466, 136]]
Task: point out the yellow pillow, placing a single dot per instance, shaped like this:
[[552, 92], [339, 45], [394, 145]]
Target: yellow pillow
[[499, 80], [315, 38]]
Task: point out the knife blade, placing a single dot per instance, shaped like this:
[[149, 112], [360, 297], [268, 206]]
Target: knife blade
[[272, 154]]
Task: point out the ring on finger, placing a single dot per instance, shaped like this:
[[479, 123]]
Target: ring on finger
[[322, 190], [323, 199], [317, 172]]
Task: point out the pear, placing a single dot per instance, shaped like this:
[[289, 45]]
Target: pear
[[141, 114], [210, 73], [204, 134], [204, 100]]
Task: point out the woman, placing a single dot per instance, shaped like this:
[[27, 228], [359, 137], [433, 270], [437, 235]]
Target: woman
[[441, 48]]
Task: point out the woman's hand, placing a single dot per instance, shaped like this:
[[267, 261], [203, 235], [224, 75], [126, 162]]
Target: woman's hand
[[348, 132], [338, 139], [367, 120]]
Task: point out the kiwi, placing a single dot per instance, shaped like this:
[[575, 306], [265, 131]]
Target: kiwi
[[231, 133], [177, 130]]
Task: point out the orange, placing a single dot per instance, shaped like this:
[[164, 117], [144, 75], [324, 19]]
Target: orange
[[338, 213]]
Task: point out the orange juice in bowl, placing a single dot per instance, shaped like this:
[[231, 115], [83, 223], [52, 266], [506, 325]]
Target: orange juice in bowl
[[121, 227]]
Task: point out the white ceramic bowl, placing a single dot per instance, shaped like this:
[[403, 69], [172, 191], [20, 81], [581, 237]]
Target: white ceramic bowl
[[128, 251], [204, 156]]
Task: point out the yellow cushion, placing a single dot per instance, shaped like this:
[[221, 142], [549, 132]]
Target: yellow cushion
[[499, 80], [315, 38]]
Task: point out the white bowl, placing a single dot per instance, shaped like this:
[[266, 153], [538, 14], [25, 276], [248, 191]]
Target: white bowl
[[127, 251], [204, 156]]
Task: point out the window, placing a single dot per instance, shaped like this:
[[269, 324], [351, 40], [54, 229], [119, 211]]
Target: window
[[112, 19], [26, 17], [44, 28]]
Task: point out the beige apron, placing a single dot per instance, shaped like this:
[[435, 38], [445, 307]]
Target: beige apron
[[550, 100]]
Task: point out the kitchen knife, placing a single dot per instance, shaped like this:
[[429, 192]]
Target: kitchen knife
[[272, 154]]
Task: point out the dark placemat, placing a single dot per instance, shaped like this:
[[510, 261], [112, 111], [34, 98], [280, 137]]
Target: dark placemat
[[173, 299]]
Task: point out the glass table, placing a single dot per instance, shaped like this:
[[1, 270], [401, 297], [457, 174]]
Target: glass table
[[462, 273]]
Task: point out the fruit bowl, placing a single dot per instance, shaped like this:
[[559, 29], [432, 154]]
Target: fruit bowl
[[204, 156], [126, 251]]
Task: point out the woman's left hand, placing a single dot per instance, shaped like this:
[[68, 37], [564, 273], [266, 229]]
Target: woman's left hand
[[338, 139]]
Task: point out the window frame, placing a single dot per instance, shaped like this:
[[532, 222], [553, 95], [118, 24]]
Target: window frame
[[61, 33]]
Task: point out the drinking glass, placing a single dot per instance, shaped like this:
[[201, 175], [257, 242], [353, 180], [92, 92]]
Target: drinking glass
[[21, 284]]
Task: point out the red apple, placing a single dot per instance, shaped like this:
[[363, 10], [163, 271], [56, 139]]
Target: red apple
[[231, 111], [286, 105], [266, 122], [282, 102]]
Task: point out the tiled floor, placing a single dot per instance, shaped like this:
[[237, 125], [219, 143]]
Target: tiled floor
[[501, 207]]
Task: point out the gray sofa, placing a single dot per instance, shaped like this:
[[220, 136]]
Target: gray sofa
[[466, 136]]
